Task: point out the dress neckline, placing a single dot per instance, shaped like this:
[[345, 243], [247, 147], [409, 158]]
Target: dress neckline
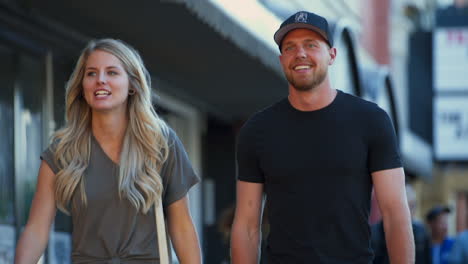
[[99, 147]]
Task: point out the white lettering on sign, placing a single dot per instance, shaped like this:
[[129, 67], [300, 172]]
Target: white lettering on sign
[[450, 63], [451, 127], [457, 37]]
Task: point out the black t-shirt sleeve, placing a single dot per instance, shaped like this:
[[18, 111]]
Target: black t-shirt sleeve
[[383, 146], [247, 162]]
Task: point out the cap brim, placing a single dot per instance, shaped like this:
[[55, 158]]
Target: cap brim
[[433, 213], [282, 32]]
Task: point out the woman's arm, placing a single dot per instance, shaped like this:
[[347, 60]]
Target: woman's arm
[[182, 232], [33, 240]]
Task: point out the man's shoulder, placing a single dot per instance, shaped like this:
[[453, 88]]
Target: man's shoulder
[[448, 242], [361, 109], [266, 114], [462, 239], [463, 235], [359, 103]]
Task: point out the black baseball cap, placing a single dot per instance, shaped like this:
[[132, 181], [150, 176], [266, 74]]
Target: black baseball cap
[[307, 20], [436, 211]]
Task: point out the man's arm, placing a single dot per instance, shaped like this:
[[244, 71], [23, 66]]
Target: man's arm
[[389, 186], [245, 233]]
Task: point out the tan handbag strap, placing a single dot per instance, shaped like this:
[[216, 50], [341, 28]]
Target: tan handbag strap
[[161, 232]]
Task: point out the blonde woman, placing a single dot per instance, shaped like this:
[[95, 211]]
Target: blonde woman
[[109, 165]]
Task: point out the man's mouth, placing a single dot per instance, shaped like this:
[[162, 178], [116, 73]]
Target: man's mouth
[[301, 67]]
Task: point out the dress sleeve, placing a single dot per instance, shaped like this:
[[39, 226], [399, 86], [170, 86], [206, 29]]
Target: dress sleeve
[[48, 156], [248, 167], [383, 145], [177, 172]]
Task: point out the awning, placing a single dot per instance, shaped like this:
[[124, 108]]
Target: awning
[[200, 53]]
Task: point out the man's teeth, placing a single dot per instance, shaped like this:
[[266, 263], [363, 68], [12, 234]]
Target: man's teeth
[[302, 67], [102, 93]]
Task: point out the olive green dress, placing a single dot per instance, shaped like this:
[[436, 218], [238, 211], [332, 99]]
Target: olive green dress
[[110, 229]]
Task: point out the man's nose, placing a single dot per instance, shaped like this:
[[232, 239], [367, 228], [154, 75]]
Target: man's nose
[[301, 53]]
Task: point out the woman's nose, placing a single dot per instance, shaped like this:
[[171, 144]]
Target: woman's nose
[[101, 78]]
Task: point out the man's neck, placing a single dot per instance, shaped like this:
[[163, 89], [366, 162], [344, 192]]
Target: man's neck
[[315, 99], [438, 240]]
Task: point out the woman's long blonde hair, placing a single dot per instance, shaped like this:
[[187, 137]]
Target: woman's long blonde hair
[[145, 146]]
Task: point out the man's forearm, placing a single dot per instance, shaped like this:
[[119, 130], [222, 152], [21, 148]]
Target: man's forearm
[[400, 241], [244, 246]]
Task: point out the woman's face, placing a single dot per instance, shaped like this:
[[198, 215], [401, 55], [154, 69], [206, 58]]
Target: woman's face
[[105, 83]]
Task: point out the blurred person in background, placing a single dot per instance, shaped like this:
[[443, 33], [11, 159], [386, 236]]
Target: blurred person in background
[[422, 241], [108, 167], [317, 154], [437, 220], [459, 252]]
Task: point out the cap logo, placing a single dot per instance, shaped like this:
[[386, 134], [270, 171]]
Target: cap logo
[[301, 17]]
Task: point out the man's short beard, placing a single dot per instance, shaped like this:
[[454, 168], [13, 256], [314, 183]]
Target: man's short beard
[[316, 81]]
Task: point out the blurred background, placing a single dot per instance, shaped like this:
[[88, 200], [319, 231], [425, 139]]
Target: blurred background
[[214, 63]]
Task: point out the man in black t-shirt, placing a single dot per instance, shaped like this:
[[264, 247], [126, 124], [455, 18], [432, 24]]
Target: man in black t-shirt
[[317, 154]]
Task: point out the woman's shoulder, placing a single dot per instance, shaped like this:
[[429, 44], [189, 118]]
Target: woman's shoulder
[[169, 134], [49, 155]]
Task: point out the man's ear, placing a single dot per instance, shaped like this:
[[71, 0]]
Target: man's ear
[[332, 52]]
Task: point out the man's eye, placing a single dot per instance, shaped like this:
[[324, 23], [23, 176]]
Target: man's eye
[[290, 48]]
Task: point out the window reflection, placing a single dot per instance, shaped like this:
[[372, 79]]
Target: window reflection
[[21, 82], [29, 85], [340, 71], [7, 216]]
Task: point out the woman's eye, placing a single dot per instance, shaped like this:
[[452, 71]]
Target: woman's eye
[[112, 73], [91, 74]]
